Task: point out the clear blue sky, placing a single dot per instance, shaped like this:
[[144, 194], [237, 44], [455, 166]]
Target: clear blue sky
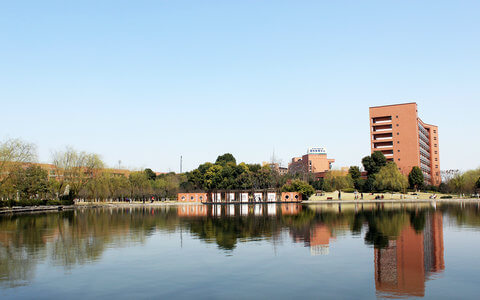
[[147, 81]]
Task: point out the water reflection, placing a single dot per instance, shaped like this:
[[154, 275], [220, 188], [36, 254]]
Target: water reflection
[[406, 241], [403, 266]]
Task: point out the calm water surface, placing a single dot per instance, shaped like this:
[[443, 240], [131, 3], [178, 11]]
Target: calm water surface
[[240, 251]]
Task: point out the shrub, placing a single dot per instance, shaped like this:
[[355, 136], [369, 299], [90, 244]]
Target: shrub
[[446, 197], [54, 202]]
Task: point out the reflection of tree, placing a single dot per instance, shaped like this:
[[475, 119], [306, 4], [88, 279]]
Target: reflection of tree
[[17, 265], [72, 237], [225, 232], [464, 214], [383, 226]]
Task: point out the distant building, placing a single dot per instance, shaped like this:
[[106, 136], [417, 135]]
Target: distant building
[[398, 132], [276, 167], [314, 161]]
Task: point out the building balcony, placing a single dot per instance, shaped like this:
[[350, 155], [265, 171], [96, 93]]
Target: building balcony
[[382, 128], [383, 145], [382, 120]]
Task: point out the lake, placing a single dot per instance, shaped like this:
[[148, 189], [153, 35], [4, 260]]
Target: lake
[[271, 251]]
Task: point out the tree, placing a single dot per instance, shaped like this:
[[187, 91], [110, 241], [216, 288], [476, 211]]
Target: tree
[[354, 172], [369, 165], [337, 180], [373, 163], [477, 185], [379, 159], [150, 174], [224, 159], [140, 185], [31, 182], [14, 152], [369, 185], [299, 186], [389, 178], [415, 178], [74, 169], [213, 177]]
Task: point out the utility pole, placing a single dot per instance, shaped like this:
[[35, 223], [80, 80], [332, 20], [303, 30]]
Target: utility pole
[[181, 164]]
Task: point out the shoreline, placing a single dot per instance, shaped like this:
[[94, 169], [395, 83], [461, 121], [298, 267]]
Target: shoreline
[[453, 200], [34, 209]]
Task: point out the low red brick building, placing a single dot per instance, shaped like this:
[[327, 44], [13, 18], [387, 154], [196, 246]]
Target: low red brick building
[[291, 197], [192, 197]]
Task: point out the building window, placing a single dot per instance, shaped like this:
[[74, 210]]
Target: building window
[[397, 125], [435, 145], [396, 117], [436, 166], [434, 131], [398, 142], [398, 133], [435, 151], [399, 159], [436, 159], [398, 150]]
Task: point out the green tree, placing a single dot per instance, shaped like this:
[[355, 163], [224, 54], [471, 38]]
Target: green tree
[[150, 174], [354, 172], [299, 186], [477, 185], [338, 180], [31, 182], [224, 159], [379, 159], [373, 163], [369, 185], [369, 165], [415, 178], [140, 185], [389, 178], [213, 177]]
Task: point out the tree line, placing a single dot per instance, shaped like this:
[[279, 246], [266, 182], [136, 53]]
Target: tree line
[[82, 175], [75, 175]]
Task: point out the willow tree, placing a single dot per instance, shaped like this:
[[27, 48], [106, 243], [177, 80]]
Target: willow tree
[[389, 178], [75, 169], [13, 153]]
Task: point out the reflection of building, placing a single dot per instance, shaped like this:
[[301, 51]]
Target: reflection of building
[[291, 209], [320, 240], [192, 210], [402, 268], [313, 162], [398, 132], [316, 237]]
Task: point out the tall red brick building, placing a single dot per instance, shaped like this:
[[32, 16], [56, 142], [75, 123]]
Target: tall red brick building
[[398, 132]]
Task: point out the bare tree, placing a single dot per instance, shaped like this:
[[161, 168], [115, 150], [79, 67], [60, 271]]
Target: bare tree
[[74, 169], [14, 152]]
